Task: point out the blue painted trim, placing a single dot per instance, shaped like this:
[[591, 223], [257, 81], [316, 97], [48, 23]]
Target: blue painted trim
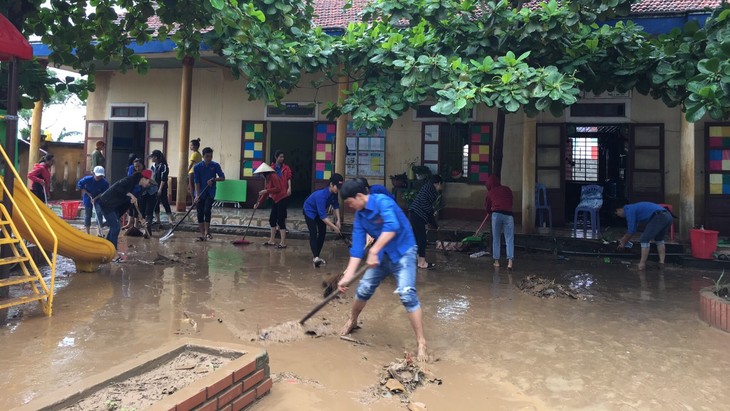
[[652, 25]]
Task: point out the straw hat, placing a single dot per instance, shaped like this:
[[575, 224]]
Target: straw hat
[[264, 168]]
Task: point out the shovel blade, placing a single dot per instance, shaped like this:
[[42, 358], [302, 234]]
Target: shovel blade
[[167, 236]]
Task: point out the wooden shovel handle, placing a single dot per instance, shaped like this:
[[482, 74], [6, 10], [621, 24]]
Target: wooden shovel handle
[[333, 294]]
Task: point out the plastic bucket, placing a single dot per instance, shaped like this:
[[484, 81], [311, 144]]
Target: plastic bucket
[[704, 243], [70, 209]]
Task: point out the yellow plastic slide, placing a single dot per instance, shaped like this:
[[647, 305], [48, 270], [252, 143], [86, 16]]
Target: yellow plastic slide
[[87, 251]]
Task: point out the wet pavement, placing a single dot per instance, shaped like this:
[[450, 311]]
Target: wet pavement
[[636, 345]]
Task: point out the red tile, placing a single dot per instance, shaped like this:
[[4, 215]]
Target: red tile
[[244, 371], [221, 385], [253, 380], [191, 402], [230, 394], [244, 400], [264, 388]]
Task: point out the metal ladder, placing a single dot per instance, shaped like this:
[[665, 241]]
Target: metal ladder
[[30, 272]]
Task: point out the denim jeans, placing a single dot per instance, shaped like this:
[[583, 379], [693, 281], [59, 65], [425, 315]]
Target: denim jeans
[[404, 271], [500, 223], [112, 218], [88, 212], [656, 228]]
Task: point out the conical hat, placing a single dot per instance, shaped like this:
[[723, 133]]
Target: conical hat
[[264, 168]]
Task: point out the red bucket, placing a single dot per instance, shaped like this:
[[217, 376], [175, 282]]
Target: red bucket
[[704, 243], [70, 209]]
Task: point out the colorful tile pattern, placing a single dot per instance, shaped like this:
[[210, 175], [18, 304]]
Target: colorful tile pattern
[[253, 147], [718, 156], [324, 150], [480, 150]]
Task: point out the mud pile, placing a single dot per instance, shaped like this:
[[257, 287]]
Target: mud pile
[[545, 288], [401, 377]]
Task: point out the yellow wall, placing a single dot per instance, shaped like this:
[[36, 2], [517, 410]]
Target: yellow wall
[[219, 104]]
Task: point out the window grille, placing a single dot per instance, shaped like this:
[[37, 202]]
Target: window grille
[[582, 165]]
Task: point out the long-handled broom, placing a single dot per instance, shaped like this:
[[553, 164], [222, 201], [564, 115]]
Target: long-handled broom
[[243, 240], [476, 238], [169, 234]]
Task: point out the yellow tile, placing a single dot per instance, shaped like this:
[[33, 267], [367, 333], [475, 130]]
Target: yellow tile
[[715, 188], [258, 127], [258, 146], [327, 175], [320, 156], [715, 178], [248, 135], [248, 153], [247, 172]]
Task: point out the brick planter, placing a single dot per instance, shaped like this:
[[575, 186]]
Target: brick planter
[[232, 387], [714, 310]]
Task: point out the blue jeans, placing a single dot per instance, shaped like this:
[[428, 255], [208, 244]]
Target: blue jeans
[[87, 214], [404, 271], [656, 228], [112, 218], [506, 223]]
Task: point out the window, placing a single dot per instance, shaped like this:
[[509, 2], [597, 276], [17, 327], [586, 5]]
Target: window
[[582, 164], [458, 152], [128, 111]]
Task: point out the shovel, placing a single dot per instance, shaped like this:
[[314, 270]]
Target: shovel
[[333, 294], [142, 221], [168, 235]]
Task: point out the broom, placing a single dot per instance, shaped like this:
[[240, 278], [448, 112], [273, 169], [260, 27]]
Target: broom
[[243, 240], [172, 230], [476, 238]]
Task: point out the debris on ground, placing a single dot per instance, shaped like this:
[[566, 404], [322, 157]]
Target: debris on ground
[[165, 260], [545, 288], [401, 377], [293, 331]]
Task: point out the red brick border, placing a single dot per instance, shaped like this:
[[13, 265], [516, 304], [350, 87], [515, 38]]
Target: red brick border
[[714, 310]]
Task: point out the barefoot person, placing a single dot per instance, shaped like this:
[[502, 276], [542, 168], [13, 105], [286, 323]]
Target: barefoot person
[[394, 252], [657, 218], [498, 204]]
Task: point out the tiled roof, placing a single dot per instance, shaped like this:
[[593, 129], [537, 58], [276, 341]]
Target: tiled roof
[[329, 13]]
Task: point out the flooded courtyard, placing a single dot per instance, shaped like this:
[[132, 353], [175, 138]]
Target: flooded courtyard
[[635, 343]]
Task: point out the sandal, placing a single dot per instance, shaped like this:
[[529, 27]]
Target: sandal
[[280, 246], [428, 266], [269, 244], [208, 236], [201, 239], [118, 260]]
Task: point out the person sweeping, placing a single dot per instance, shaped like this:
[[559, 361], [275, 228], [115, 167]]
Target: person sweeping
[[275, 189], [206, 173], [315, 214], [393, 253], [91, 187], [498, 204], [39, 179], [422, 213]]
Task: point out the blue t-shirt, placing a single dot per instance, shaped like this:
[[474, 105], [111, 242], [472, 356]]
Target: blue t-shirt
[[202, 173], [130, 170], [318, 202], [639, 213], [93, 187], [380, 215], [380, 189]]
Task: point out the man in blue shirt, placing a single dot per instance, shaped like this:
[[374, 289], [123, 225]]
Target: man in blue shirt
[[658, 219], [92, 187], [206, 173], [394, 252], [315, 214]]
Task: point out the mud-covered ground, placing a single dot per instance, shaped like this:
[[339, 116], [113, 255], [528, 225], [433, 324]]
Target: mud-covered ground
[[635, 344]]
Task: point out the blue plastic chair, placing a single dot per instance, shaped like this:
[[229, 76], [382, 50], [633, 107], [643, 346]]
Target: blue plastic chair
[[542, 206], [591, 200]]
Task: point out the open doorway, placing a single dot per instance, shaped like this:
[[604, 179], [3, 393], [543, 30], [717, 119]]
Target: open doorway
[[126, 137], [596, 154], [295, 140]]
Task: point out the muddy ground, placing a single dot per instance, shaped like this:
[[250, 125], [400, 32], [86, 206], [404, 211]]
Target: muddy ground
[[637, 344]]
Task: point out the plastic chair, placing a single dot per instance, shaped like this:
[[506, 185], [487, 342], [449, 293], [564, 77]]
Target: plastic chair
[[671, 228], [541, 205], [591, 201]]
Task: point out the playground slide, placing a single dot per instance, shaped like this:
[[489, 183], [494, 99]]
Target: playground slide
[[87, 251]]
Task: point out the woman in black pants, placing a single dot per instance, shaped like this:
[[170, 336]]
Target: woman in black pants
[[421, 213], [161, 173], [315, 214]]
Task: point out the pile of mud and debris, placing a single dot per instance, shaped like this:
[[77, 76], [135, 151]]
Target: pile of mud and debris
[[400, 378], [546, 288], [185, 257]]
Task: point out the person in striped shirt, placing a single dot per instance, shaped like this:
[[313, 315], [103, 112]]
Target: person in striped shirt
[[421, 212]]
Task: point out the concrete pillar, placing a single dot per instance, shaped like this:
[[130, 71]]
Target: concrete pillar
[[686, 177], [529, 151], [186, 89], [34, 152]]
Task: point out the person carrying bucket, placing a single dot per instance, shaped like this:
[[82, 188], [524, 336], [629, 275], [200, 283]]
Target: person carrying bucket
[[39, 179], [315, 214], [275, 189], [394, 252]]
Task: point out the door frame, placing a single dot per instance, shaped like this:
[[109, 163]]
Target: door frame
[[556, 196], [104, 138], [655, 197]]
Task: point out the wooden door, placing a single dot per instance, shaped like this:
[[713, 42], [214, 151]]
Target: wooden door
[[646, 163], [96, 130], [550, 167]]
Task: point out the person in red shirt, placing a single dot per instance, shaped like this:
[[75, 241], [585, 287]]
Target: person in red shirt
[[275, 189], [285, 174], [498, 203], [39, 179]]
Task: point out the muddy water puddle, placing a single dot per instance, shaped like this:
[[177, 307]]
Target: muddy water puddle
[[637, 344]]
